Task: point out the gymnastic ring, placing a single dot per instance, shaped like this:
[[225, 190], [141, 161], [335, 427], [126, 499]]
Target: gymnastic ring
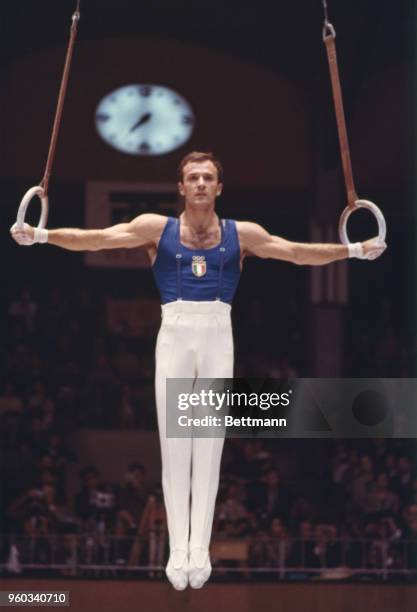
[[382, 226], [21, 213]]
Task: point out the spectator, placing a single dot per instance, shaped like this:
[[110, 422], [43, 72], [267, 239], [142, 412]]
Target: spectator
[[362, 483], [381, 499], [85, 499], [391, 470], [278, 548], [131, 501], [126, 408], [301, 510], [270, 497], [403, 484], [328, 547], [153, 529], [302, 550], [230, 513]]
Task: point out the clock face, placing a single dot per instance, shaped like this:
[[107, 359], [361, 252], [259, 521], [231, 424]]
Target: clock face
[[144, 119]]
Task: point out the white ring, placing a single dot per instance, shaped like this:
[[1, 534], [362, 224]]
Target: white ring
[[382, 226], [21, 213]]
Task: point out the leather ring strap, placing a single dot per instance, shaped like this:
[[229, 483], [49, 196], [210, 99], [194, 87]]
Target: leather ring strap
[[329, 36], [354, 203], [61, 98], [41, 190]]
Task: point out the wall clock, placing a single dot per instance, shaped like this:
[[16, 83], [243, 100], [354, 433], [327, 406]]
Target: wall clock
[[144, 119]]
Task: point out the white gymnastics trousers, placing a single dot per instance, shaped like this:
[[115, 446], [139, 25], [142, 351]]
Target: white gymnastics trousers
[[195, 341]]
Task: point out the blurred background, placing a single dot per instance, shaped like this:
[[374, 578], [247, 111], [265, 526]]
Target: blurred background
[[80, 462]]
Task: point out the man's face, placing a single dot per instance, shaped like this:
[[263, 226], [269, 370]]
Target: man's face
[[200, 185]]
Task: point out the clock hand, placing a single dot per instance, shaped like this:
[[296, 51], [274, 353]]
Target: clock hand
[[144, 119]]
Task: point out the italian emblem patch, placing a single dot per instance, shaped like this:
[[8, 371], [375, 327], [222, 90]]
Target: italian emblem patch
[[198, 265]]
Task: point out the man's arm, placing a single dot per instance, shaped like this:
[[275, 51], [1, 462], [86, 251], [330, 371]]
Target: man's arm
[[143, 230], [255, 240]]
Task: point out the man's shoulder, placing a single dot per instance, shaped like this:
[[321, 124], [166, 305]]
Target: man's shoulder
[[246, 226], [152, 218], [248, 229], [151, 223]]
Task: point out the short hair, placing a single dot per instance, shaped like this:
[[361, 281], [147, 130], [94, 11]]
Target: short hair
[[199, 156]]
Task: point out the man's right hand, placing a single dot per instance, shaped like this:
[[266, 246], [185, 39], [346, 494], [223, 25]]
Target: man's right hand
[[24, 236], [28, 235]]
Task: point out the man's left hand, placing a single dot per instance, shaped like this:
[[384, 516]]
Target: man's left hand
[[373, 248]]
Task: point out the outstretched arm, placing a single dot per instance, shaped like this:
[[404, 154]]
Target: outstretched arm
[[143, 230], [255, 240]]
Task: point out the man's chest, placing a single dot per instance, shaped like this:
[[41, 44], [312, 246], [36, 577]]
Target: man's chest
[[204, 239]]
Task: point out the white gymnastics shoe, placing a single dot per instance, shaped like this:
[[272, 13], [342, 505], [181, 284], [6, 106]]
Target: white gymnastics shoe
[[199, 567], [176, 570]]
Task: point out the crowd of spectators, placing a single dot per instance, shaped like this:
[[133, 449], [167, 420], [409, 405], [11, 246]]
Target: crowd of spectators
[[354, 506], [320, 491], [96, 370], [293, 503]]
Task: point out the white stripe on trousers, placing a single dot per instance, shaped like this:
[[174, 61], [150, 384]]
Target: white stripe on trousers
[[195, 341]]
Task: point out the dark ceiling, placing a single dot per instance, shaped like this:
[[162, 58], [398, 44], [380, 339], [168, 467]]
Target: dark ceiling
[[283, 35], [373, 36]]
